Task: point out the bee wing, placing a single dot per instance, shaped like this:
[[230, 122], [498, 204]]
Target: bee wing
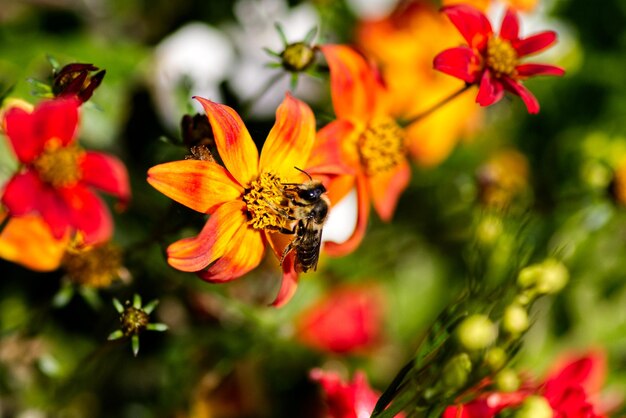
[[309, 246]]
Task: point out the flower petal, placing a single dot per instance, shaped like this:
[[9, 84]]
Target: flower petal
[[199, 185], [196, 253], [534, 43], [289, 282], [233, 141], [458, 62], [527, 97], [54, 211], [20, 129], [529, 70], [386, 188], [490, 90], [510, 26], [56, 119], [106, 173], [245, 253], [290, 141], [21, 193], [363, 207], [88, 214], [354, 83], [471, 23]]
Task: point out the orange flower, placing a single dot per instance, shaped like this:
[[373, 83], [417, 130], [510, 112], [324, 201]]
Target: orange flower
[[244, 198], [27, 240], [365, 137], [413, 84], [521, 5]]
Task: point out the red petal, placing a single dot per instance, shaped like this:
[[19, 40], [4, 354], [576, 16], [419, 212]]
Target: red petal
[[354, 83], [517, 88], [88, 214], [20, 128], [490, 90], [534, 43], [196, 253], [233, 141], [21, 193], [289, 282], [510, 26], [386, 188], [363, 200], [289, 143], [458, 62], [471, 22], [529, 70], [54, 211], [56, 119], [107, 173]]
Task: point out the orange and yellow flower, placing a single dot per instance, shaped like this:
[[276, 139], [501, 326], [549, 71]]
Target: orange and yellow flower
[[521, 5], [365, 137], [243, 197], [413, 84]]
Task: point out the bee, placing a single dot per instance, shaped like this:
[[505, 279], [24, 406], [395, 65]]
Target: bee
[[308, 206]]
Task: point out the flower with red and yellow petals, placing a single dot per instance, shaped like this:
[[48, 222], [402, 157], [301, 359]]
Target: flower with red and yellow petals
[[244, 197], [365, 137], [493, 61], [57, 176]]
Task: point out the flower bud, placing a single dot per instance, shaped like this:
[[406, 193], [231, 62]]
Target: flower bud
[[495, 358], [535, 407], [515, 319], [476, 332], [529, 276], [554, 278], [297, 57], [456, 371], [507, 380]]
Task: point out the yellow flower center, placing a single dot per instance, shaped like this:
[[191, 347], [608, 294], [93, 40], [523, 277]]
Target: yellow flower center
[[59, 166], [95, 266], [381, 145], [265, 202], [134, 321], [501, 57]]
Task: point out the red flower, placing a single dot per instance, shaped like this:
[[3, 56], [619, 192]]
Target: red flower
[[492, 61], [348, 319], [569, 391], [57, 176]]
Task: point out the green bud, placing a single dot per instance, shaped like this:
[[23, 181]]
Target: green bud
[[529, 276], [554, 278], [515, 319], [456, 371], [489, 229], [298, 57], [476, 332], [535, 407], [507, 380], [495, 358]]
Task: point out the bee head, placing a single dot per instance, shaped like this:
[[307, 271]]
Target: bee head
[[312, 193]]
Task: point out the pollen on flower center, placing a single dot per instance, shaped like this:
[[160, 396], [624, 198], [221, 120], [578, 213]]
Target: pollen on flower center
[[59, 166], [95, 266], [266, 203], [381, 145], [501, 56]]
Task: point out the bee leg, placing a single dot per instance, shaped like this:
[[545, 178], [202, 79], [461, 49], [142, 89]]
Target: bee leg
[[287, 231]]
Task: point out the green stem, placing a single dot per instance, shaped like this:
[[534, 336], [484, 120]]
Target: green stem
[[4, 223], [427, 112]]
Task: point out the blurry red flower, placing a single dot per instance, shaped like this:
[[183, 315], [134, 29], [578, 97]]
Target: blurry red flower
[[570, 390], [492, 61], [57, 176], [348, 319]]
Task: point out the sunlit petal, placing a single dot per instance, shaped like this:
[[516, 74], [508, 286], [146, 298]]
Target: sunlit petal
[[385, 189], [56, 119], [471, 23]]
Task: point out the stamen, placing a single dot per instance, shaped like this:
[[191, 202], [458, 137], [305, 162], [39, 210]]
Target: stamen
[[267, 208], [501, 57], [59, 166], [95, 266], [381, 145]]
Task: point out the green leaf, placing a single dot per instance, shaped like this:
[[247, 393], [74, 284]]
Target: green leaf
[[135, 344], [157, 327], [118, 306], [64, 295], [150, 306], [115, 335]]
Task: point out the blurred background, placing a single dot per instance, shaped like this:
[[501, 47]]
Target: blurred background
[[491, 191]]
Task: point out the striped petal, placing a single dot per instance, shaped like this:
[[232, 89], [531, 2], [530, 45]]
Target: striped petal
[[529, 70], [354, 83], [471, 23], [244, 254], [534, 43], [196, 253], [290, 141], [199, 185], [233, 141], [510, 26], [490, 90], [461, 62], [106, 173], [385, 189]]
